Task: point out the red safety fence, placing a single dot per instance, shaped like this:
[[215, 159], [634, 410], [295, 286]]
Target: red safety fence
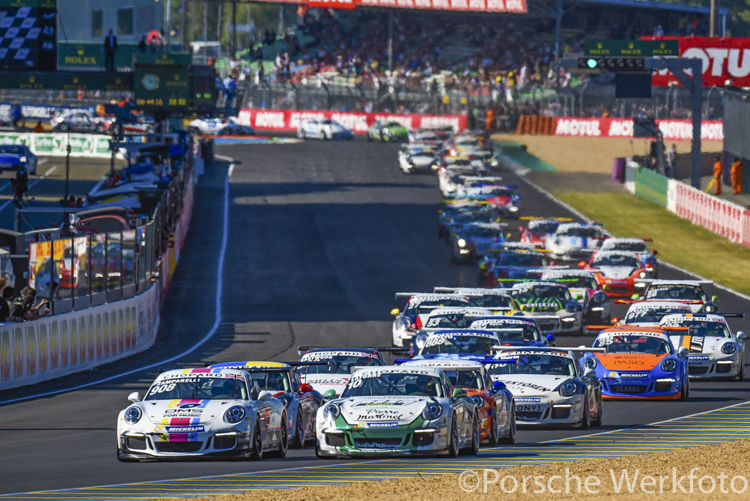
[[673, 130], [720, 216], [290, 120], [513, 6]]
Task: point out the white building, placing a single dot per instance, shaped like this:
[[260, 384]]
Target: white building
[[91, 20]]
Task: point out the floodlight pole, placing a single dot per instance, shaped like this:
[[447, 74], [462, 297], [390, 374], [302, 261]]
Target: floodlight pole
[[390, 40], [558, 29]]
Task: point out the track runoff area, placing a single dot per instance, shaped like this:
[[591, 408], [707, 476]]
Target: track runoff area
[[319, 236]]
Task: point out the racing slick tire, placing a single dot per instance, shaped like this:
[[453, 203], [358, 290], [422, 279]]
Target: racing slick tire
[[599, 413], [685, 392], [301, 134], [283, 441], [369, 137], [99, 128], [511, 438], [494, 437], [453, 450], [299, 433], [256, 442], [586, 417], [63, 127], [741, 375], [473, 449]]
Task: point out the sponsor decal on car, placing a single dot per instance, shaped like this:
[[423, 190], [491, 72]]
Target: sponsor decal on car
[[380, 425]]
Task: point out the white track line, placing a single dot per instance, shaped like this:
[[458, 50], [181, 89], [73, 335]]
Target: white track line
[[217, 320]]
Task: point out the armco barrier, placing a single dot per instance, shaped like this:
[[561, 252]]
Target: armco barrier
[[651, 186], [289, 120], [51, 347], [53, 144], [673, 130]]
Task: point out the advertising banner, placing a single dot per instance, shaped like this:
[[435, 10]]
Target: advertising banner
[[53, 144], [726, 61], [651, 186], [512, 6], [290, 120], [672, 130]]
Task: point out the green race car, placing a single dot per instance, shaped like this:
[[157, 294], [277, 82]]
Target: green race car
[[387, 131]]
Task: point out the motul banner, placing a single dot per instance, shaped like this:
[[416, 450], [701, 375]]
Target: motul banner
[[672, 130], [290, 120], [725, 60], [513, 6]]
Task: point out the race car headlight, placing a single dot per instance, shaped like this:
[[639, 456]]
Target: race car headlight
[[599, 297], [432, 411], [514, 209], [590, 363], [709, 308], [567, 389], [331, 412], [728, 348], [461, 242], [22, 160], [420, 341], [478, 400], [642, 274], [234, 415], [668, 365], [571, 307], [133, 415]]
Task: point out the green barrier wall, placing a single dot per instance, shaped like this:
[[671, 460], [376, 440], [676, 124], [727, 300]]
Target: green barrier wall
[[651, 186]]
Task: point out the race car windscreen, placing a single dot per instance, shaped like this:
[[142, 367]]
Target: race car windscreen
[[272, 381], [428, 306], [634, 344], [453, 344], [651, 315], [539, 365], [423, 156], [540, 293], [446, 321], [465, 378], [615, 260], [522, 259], [337, 364], [628, 246], [580, 231], [705, 328], [577, 281], [197, 388], [12, 149], [480, 232], [374, 384], [516, 332], [543, 226], [494, 301], [497, 191], [676, 292]]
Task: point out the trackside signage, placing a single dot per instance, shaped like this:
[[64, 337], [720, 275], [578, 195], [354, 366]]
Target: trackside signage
[[290, 120], [53, 144], [673, 130]]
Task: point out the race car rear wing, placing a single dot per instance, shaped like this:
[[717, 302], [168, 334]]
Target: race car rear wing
[[269, 369], [537, 218], [627, 328], [472, 292], [665, 282], [410, 294], [301, 349]]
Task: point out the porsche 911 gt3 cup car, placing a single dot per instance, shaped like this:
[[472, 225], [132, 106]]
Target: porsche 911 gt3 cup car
[[514, 330], [414, 159], [418, 307], [573, 241], [17, 157], [397, 410], [450, 317], [689, 292], [497, 418], [650, 313], [639, 247], [714, 351], [538, 229], [495, 300], [639, 363], [617, 272], [202, 412], [549, 387], [387, 132], [334, 376], [220, 126], [551, 303], [323, 128], [471, 241], [301, 400], [465, 344], [508, 264], [425, 137], [501, 197], [79, 120], [585, 289]]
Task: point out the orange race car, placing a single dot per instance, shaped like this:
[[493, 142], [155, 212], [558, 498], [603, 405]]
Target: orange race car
[[638, 363], [617, 272]]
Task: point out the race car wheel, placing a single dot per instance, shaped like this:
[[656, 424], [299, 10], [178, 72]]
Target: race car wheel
[[299, 433], [283, 440], [586, 418], [63, 127], [741, 376], [473, 449], [369, 137], [99, 128], [256, 442], [494, 437], [301, 134], [511, 438], [599, 413], [685, 393], [454, 439]]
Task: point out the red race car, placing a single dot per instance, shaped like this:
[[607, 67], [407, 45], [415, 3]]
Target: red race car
[[617, 272]]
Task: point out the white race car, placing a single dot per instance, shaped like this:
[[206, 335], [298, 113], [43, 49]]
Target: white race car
[[398, 410], [549, 387], [418, 307], [330, 380], [219, 126], [688, 292], [202, 412], [551, 305], [452, 318], [574, 241], [418, 158], [714, 351], [639, 247], [650, 313], [323, 128]]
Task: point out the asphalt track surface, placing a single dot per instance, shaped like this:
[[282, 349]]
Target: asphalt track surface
[[320, 236]]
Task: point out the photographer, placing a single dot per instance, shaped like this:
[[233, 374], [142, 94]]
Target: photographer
[[23, 306], [20, 186]]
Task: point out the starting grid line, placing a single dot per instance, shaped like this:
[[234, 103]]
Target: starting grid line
[[713, 427]]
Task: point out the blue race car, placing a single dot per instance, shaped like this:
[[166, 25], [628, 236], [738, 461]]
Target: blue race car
[[514, 331], [639, 363], [17, 157]]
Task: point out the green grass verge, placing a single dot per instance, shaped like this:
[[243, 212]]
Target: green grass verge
[[678, 241], [519, 154]]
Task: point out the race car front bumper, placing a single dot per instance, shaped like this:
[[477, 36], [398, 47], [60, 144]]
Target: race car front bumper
[[560, 325], [709, 366], [663, 388], [139, 445], [354, 441], [549, 411]]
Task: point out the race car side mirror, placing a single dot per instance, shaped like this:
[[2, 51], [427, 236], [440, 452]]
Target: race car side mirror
[[264, 396], [714, 299], [635, 297], [683, 350], [589, 373], [136, 397], [498, 386], [582, 264], [578, 297], [305, 388], [330, 394], [520, 229], [550, 338], [395, 311], [459, 393], [654, 252], [741, 336]]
